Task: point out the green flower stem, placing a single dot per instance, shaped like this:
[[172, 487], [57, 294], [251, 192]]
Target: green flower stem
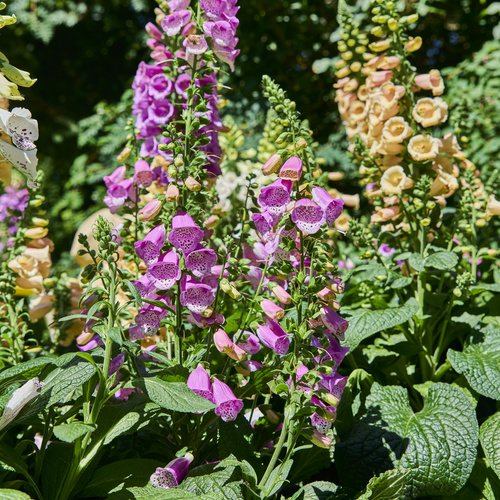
[[276, 454], [178, 339], [441, 371]]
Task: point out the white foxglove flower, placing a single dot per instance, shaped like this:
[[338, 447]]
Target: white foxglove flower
[[23, 130], [19, 399]]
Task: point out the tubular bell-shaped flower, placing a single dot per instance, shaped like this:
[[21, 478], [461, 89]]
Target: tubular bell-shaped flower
[[333, 322], [308, 216], [201, 261], [276, 197], [165, 271], [331, 206], [195, 296], [291, 169], [226, 346], [149, 249], [185, 234], [172, 474], [228, 405], [273, 336], [199, 382]]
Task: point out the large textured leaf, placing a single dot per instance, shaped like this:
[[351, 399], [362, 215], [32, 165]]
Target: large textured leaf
[[480, 363], [204, 480], [364, 322], [174, 396], [489, 435], [388, 486], [437, 446], [71, 432], [56, 464], [23, 371], [150, 493], [442, 260]]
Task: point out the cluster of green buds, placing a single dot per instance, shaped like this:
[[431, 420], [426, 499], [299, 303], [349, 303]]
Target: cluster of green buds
[[388, 20]]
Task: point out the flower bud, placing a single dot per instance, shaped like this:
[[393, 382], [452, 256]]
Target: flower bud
[[272, 310], [36, 232], [281, 294], [392, 24], [124, 155], [301, 143], [192, 184], [39, 222], [150, 211], [380, 46], [211, 222], [272, 165], [179, 161], [414, 44], [319, 439], [172, 171], [377, 31], [172, 193], [335, 176]]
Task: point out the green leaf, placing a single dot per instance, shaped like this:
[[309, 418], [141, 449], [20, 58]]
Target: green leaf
[[150, 493], [133, 291], [489, 437], [174, 396], [208, 478], [23, 371], [277, 478], [386, 486], [363, 322], [469, 319], [56, 464], [9, 90], [417, 262], [234, 438], [115, 335], [479, 362], [437, 446], [71, 432], [119, 476], [6, 494], [442, 260], [401, 282], [489, 287]]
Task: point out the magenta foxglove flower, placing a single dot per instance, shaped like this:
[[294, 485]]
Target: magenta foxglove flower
[[308, 216], [149, 249], [185, 234], [213, 8], [118, 194], [228, 405], [144, 286], [165, 271], [174, 23], [195, 296], [333, 322], [281, 294], [117, 176], [321, 424], [160, 86], [195, 44], [320, 440], [264, 222], [248, 342], [116, 364], [221, 31], [332, 207], [154, 32], [273, 336], [276, 197], [291, 169], [385, 250], [148, 320], [201, 261], [334, 352], [176, 5], [334, 384], [172, 474], [226, 346], [199, 382]]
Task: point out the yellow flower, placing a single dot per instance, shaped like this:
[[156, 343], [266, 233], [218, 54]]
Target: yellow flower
[[395, 180], [396, 130], [423, 147], [429, 112], [492, 207]]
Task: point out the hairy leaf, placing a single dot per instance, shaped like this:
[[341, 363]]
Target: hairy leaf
[[7, 494], [71, 432], [23, 371], [387, 486], [489, 435], [364, 322], [442, 260], [480, 363], [437, 446], [174, 396]]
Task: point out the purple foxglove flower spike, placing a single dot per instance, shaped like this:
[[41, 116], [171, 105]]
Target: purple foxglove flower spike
[[248, 342], [195, 295], [201, 261], [291, 169], [149, 249], [199, 382], [276, 197], [226, 346], [228, 405], [185, 234], [172, 474], [173, 24], [332, 207], [333, 322], [308, 216], [165, 271], [273, 336]]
